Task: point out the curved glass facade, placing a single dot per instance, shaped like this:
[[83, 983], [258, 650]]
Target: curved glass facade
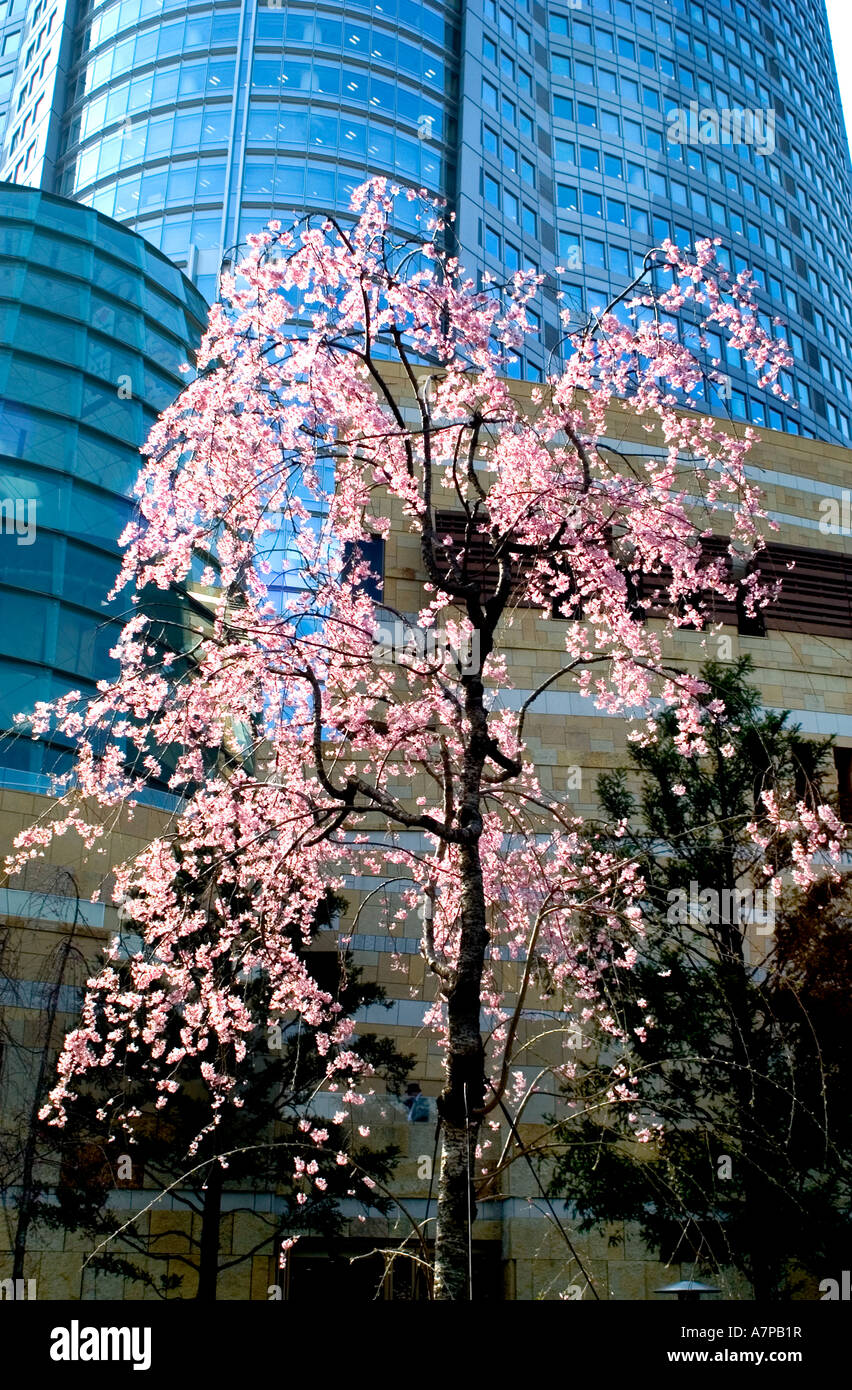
[[11, 27], [566, 134], [94, 325], [627, 121], [194, 123], [713, 119]]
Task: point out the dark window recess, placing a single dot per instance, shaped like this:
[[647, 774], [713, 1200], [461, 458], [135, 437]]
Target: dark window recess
[[718, 608], [86, 1167], [373, 551], [633, 581], [324, 1273], [816, 594], [843, 767], [749, 624], [480, 565], [326, 970]]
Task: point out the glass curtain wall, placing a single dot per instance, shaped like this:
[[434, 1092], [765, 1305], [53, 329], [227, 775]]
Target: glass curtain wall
[[195, 123], [94, 326]]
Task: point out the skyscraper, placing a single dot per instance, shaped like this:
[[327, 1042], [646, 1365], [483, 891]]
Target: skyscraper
[[193, 121], [574, 135], [10, 38], [720, 119]]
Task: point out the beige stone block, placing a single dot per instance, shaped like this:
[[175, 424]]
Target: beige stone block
[[536, 1238], [626, 1280], [552, 1278], [170, 1231], [234, 1285], [264, 1272], [44, 1239], [607, 1244], [77, 1242], [103, 1285], [659, 1275], [524, 1280], [61, 1278], [635, 1247], [249, 1228]]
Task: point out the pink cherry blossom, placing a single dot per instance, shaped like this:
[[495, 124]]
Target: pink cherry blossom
[[344, 387]]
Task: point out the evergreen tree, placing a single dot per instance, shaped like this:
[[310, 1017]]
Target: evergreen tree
[[736, 1015]]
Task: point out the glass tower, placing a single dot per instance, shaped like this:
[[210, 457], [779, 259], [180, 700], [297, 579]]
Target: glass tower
[[94, 325], [682, 119], [570, 137], [194, 122], [11, 24]]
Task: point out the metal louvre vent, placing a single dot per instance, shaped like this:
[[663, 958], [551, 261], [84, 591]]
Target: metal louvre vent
[[816, 594]]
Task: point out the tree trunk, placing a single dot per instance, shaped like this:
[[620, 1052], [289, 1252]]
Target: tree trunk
[[460, 1103], [29, 1189], [456, 1210], [208, 1259], [761, 1267]]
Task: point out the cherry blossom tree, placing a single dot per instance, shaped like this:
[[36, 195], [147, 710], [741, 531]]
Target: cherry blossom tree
[[352, 380]]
